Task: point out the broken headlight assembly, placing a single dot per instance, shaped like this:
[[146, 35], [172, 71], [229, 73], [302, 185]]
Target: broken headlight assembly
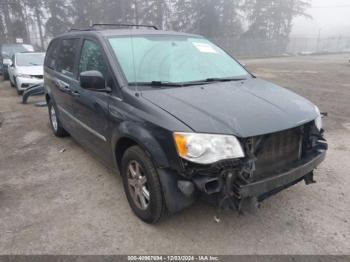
[[207, 148], [318, 120]]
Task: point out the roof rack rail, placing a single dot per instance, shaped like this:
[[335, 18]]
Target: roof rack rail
[[123, 25], [77, 29]]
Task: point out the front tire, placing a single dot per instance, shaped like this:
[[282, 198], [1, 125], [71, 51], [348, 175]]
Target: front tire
[[142, 186], [55, 123]]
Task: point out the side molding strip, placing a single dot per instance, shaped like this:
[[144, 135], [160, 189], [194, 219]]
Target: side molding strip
[[82, 124]]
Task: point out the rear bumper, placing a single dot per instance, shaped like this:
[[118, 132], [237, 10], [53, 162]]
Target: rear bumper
[[277, 183]]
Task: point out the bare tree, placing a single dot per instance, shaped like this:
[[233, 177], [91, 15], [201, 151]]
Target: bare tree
[[268, 22], [59, 17]]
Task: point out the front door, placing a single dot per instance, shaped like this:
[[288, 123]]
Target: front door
[[90, 107]]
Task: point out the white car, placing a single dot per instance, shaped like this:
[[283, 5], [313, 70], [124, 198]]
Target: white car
[[26, 70]]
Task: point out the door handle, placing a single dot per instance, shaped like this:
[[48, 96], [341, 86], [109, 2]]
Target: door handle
[[62, 86], [75, 93], [56, 83]]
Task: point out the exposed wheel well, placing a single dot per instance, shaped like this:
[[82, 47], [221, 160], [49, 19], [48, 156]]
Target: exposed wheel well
[[122, 145]]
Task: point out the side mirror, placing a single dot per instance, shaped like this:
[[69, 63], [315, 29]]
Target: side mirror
[[94, 81]]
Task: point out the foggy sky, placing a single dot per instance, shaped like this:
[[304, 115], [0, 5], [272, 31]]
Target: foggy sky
[[330, 18]]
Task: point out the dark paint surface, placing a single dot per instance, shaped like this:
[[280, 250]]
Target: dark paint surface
[[247, 108], [149, 116], [104, 122]]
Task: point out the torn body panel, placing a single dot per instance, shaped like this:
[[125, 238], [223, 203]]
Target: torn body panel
[[34, 90], [273, 162]]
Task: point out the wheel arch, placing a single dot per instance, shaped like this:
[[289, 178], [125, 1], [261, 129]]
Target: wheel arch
[[133, 135], [120, 148]]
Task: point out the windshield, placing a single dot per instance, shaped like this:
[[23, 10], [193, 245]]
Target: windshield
[[173, 59], [29, 59], [10, 50]]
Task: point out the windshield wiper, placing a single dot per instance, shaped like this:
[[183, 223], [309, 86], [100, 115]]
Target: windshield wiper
[[213, 80], [182, 84], [224, 79], [156, 84]]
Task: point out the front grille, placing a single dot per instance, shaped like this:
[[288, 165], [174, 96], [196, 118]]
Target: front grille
[[276, 152]]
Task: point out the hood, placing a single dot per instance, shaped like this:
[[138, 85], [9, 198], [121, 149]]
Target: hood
[[248, 108], [31, 70]]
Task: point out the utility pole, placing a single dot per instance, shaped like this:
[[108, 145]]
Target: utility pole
[[136, 12]]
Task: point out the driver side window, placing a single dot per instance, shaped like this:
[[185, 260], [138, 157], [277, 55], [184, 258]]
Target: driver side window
[[92, 59]]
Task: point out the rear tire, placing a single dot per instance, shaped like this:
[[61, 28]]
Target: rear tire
[[153, 207], [55, 123]]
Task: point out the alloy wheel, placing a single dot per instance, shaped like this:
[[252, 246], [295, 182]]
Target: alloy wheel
[[53, 118], [137, 183]]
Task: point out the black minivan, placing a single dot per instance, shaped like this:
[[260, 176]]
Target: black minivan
[[179, 118]]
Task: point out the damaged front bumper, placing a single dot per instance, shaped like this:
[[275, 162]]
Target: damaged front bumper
[[269, 186], [242, 183]]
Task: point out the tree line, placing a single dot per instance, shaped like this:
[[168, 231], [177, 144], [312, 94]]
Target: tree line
[[269, 20]]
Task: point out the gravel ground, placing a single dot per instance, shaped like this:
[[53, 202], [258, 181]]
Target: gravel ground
[[55, 198]]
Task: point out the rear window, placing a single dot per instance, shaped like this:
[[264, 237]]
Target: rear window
[[66, 56]]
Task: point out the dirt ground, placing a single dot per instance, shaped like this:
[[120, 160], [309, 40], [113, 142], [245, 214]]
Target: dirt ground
[[55, 198]]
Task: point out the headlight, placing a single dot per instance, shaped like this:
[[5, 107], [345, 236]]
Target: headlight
[[207, 148], [318, 120], [24, 76]]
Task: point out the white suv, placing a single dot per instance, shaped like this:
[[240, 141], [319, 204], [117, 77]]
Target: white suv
[[26, 70]]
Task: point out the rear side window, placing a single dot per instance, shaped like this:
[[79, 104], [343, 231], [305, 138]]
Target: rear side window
[[51, 55], [66, 56]]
